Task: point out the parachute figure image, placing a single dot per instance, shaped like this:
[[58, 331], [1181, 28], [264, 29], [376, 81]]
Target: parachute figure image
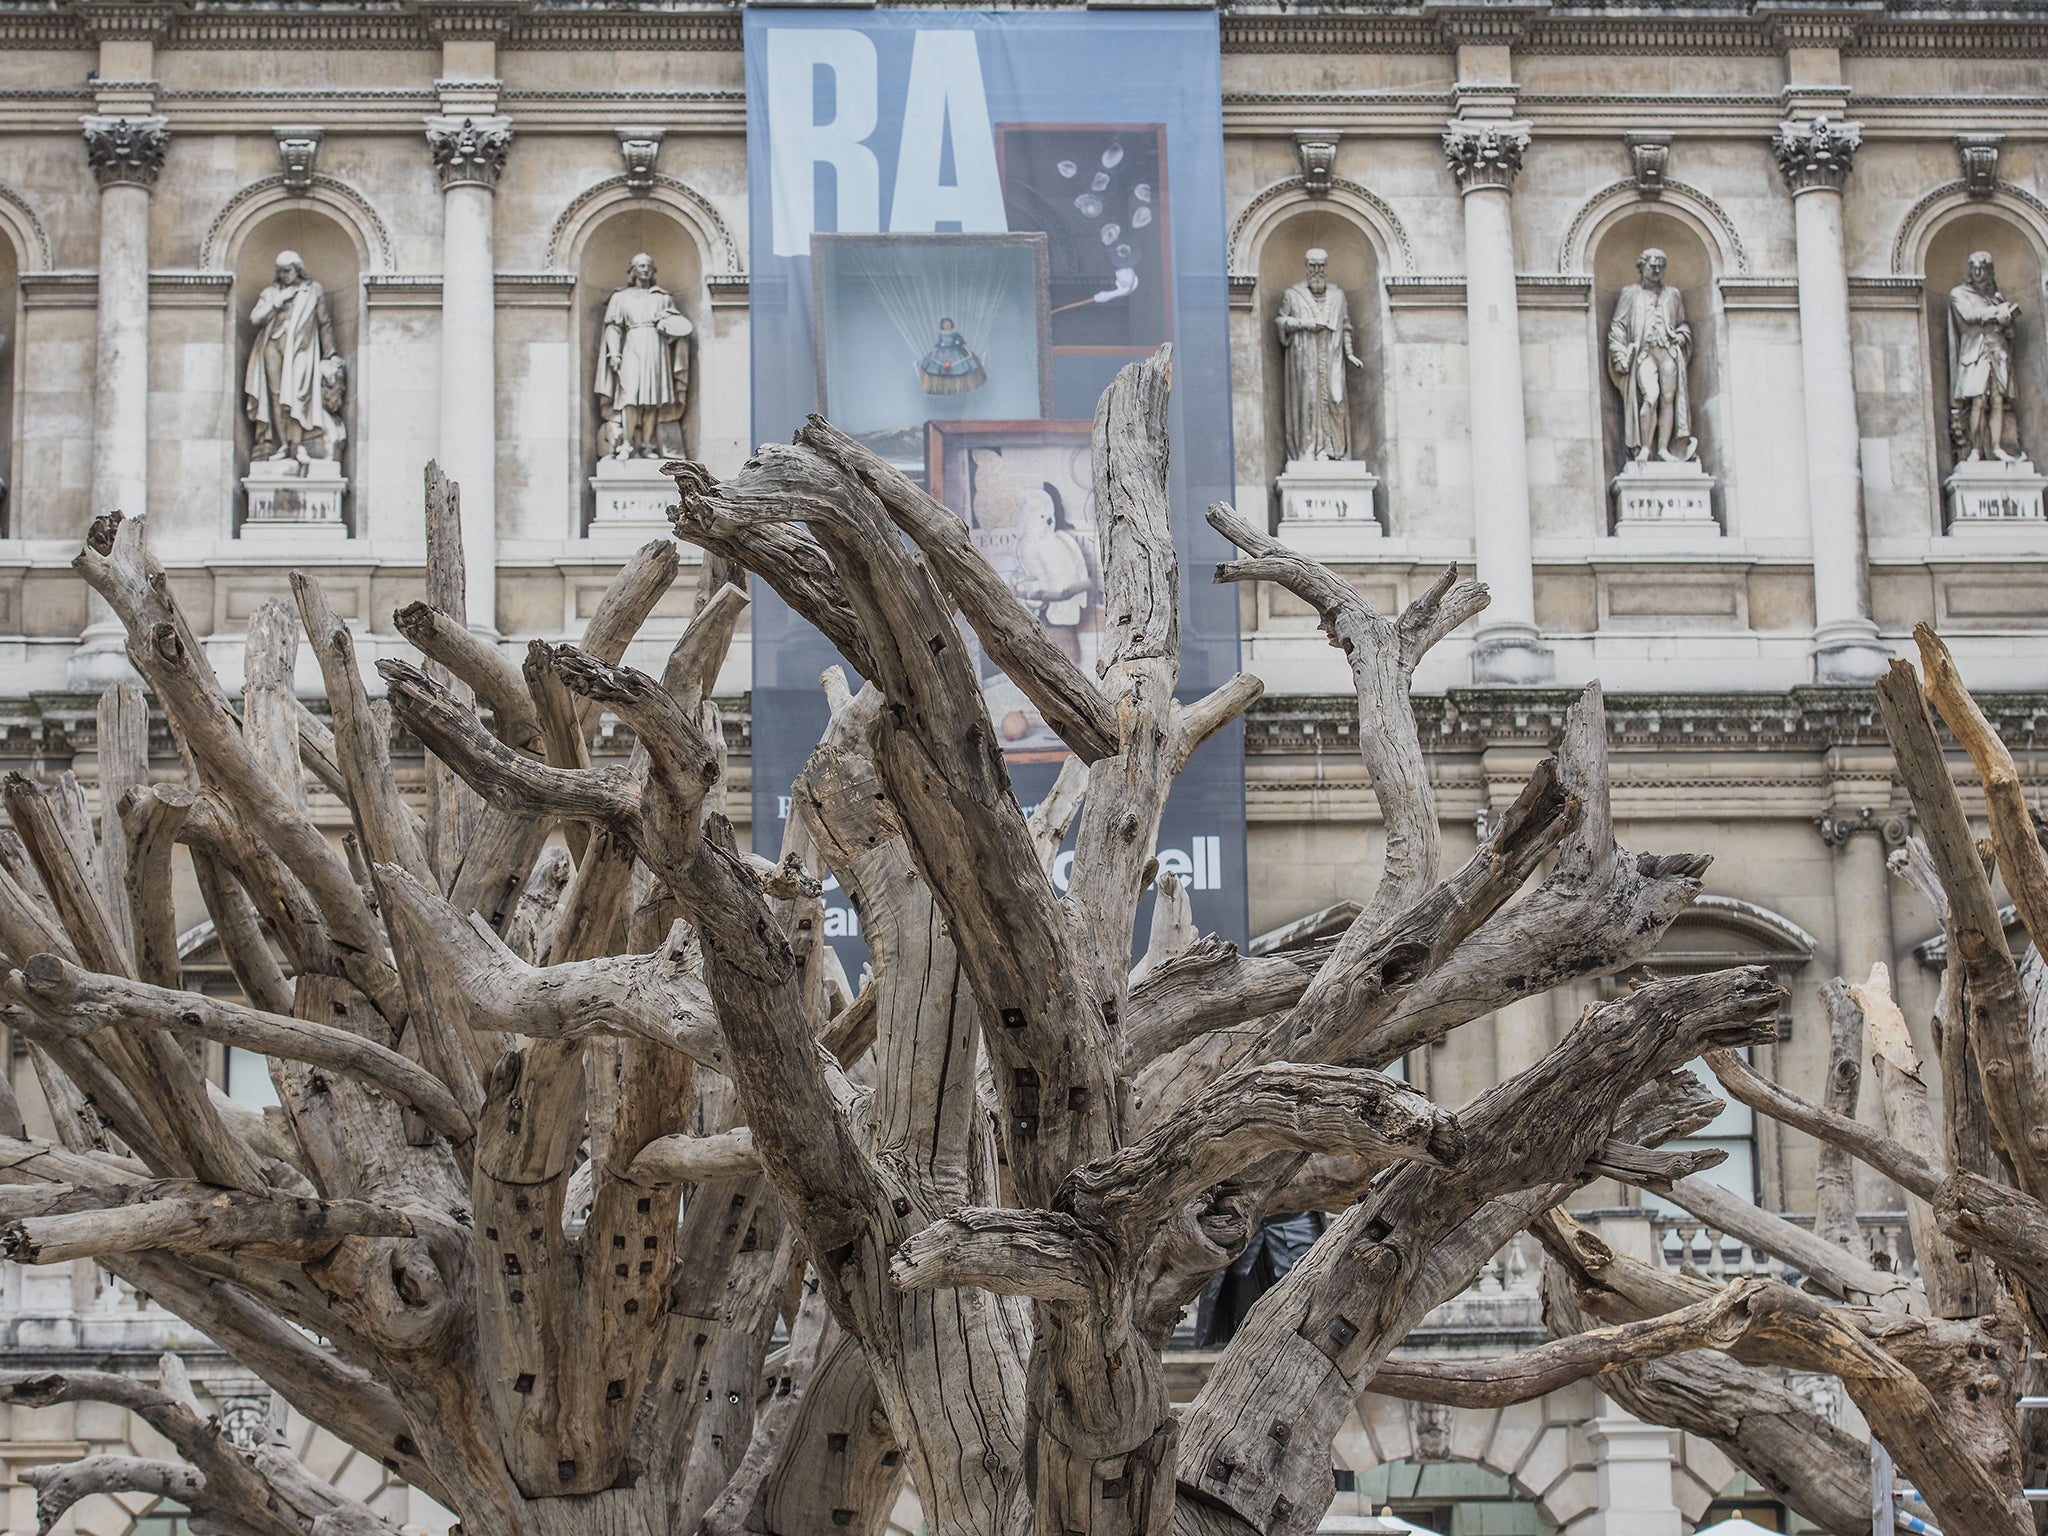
[[950, 367]]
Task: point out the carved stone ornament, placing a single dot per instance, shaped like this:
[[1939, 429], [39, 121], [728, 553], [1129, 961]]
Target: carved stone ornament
[[297, 149], [1838, 826], [126, 151], [247, 1424], [1817, 154], [468, 152], [1979, 154], [1485, 154], [1649, 156], [639, 146], [1317, 149]]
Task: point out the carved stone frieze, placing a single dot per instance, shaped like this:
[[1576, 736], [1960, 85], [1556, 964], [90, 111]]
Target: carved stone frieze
[[468, 151], [126, 151], [1485, 154], [1817, 154], [298, 147]]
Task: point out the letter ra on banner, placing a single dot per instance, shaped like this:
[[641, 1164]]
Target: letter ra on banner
[[945, 103]]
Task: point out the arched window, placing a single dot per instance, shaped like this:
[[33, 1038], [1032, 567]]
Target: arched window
[[1717, 932]]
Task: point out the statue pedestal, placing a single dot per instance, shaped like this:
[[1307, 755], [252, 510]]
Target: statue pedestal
[[632, 501], [1655, 498], [1326, 507], [1989, 494], [289, 495]]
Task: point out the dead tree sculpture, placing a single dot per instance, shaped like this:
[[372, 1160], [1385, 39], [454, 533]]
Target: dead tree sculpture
[[620, 1212]]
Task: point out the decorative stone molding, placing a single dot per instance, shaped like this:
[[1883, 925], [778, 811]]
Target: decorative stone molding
[[339, 197], [1800, 24], [1323, 32], [123, 20], [1499, 22], [1649, 157], [1371, 209], [1816, 155], [1837, 827], [1676, 195], [1979, 155], [30, 235], [639, 146], [1317, 150], [468, 20], [721, 246], [297, 148], [469, 153], [126, 151], [1909, 246], [1485, 154]]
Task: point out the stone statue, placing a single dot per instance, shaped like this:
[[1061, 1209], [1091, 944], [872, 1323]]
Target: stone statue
[[1982, 421], [1648, 348], [643, 369], [294, 386], [1315, 336]]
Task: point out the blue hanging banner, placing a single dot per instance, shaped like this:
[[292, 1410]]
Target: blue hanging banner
[[963, 224]]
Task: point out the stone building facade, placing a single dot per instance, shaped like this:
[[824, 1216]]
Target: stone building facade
[[468, 179]]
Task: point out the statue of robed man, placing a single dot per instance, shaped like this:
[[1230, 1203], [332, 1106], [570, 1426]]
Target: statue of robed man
[[292, 388]]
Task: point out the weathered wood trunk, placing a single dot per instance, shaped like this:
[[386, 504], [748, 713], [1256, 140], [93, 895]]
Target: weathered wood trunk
[[623, 1212]]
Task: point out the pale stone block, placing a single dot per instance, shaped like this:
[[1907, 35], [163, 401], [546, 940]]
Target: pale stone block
[[1549, 1458], [1658, 499], [1518, 1428], [1993, 494], [308, 495]]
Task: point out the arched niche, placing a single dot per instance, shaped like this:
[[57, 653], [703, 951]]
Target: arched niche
[[1356, 265], [1693, 264], [334, 259], [2015, 247], [607, 247]]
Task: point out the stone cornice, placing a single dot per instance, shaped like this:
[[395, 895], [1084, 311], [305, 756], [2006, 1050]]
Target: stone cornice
[[47, 729], [1256, 26], [133, 20], [1469, 720], [472, 20]]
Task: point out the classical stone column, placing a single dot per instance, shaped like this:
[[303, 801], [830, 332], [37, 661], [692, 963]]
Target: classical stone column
[[1485, 156], [1815, 156], [125, 154], [1860, 840], [1633, 1461], [469, 154]]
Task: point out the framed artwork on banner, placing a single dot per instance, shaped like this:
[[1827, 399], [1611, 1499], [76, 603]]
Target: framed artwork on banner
[[915, 328], [1026, 491], [1099, 191]]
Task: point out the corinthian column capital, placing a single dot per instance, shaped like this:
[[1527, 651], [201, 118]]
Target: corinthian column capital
[[1816, 155], [1485, 154], [126, 151], [469, 151]]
